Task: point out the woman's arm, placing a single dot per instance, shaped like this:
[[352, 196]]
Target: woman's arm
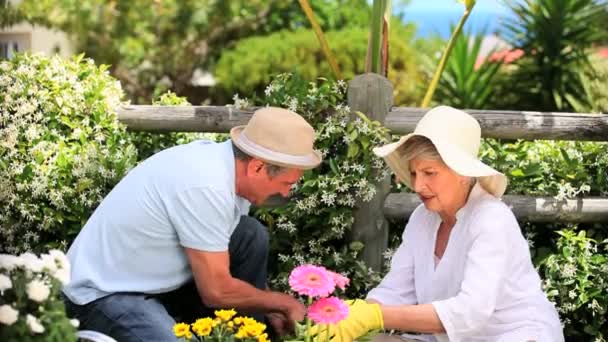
[[419, 318]]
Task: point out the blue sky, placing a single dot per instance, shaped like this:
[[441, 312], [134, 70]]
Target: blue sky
[[431, 5], [435, 16]]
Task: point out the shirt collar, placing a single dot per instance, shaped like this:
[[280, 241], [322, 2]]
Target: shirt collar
[[476, 192]]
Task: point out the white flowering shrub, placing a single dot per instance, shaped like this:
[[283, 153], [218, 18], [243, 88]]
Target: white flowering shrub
[[30, 305], [61, 148], [563, 169], [576, 280], [312, 227]]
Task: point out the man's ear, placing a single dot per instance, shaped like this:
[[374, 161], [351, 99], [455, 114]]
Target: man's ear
[[255, 168]]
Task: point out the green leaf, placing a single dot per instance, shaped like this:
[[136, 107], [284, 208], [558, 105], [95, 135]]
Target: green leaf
[[353, 150]]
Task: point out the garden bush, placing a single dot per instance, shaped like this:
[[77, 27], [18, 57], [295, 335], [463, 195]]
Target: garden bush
[[61, 148], [239, 70], [576, 279], [31, 309], [313, 227]]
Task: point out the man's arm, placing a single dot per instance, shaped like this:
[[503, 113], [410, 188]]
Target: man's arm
[[218, 288]]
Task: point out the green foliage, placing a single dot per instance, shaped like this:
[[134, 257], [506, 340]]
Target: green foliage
[[464, 84], [313, 226], [594, 85], [575, 278], [239, 70], [330, 14], [155, 46], [31, 309], [555, 36], [563, 169], [61, 147]]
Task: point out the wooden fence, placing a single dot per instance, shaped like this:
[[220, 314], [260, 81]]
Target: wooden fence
[[372, 94]]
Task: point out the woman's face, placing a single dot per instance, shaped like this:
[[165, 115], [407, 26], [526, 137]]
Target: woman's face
[[440, 188]]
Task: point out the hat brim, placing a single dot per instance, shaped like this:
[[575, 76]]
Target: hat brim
[[460, 161], [303, 162]]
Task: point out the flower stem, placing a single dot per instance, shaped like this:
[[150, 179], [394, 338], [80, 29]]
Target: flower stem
[[307, 336]]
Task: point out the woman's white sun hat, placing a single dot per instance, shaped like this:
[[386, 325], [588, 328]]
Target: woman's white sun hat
[[457, 137], [280, 137]]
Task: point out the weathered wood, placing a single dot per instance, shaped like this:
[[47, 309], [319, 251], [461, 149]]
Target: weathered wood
[[218, 119], [371, 94], [516, 124], [525, 208], [400, 120]]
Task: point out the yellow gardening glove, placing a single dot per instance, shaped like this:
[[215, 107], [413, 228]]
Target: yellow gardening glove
[[362, 317]]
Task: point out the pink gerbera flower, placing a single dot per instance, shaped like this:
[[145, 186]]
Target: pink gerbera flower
[[328, 310], [310, 280], [340, 280]]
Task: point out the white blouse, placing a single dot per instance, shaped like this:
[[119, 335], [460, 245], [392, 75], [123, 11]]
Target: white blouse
[[484, 288]]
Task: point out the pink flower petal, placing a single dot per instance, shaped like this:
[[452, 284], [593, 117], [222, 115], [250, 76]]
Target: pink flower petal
[[313, 281], [328, 310], [340, 280]]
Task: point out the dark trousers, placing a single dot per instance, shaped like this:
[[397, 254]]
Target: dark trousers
[[131, 317]]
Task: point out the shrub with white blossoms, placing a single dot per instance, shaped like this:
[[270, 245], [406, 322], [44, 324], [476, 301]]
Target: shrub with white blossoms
[[576, 280], [61, 148], [30, 306], [312, 228]]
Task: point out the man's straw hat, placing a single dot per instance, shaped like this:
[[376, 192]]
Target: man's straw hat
[[278, 136]]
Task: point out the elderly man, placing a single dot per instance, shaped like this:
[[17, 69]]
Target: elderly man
[[173, 240]]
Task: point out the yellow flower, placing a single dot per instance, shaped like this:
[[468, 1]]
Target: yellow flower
[[230, 324], [203, 326], [240, 334], [225, 315], [263, 338], [182, 330], [249, 320], [238, 320], [216, 321], [253, 329]]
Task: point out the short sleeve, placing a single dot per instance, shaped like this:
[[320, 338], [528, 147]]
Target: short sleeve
[[398, 286], [202, 218], [492, 229]]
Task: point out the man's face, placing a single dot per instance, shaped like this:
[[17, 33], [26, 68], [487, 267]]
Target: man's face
[[271, 190]]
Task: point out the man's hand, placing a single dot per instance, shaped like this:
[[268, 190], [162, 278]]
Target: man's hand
[[279, 322], [292, 309], [362, 317]]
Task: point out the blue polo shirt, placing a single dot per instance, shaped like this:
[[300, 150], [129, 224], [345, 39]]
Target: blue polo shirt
[[134, 241]]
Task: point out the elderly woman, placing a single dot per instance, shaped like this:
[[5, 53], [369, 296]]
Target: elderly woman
[[463, 271]]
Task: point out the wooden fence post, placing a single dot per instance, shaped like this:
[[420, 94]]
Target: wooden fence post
[[372, 94]]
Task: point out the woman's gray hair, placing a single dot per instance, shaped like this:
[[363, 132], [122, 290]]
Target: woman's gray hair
[[419, 147], [423, 148]]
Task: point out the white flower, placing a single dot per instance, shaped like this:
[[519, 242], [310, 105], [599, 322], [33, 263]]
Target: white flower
[[37, 291], [8, 315], [5, 283], [32, 262], [75, 323], [59, 257], [9, 262], [568, 271], [34, 324], [63, 275]]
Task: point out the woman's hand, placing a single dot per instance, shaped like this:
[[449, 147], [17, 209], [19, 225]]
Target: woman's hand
[[362, 317]]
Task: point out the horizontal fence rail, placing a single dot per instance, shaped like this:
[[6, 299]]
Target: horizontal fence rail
[[532, 209], [400, 120]]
